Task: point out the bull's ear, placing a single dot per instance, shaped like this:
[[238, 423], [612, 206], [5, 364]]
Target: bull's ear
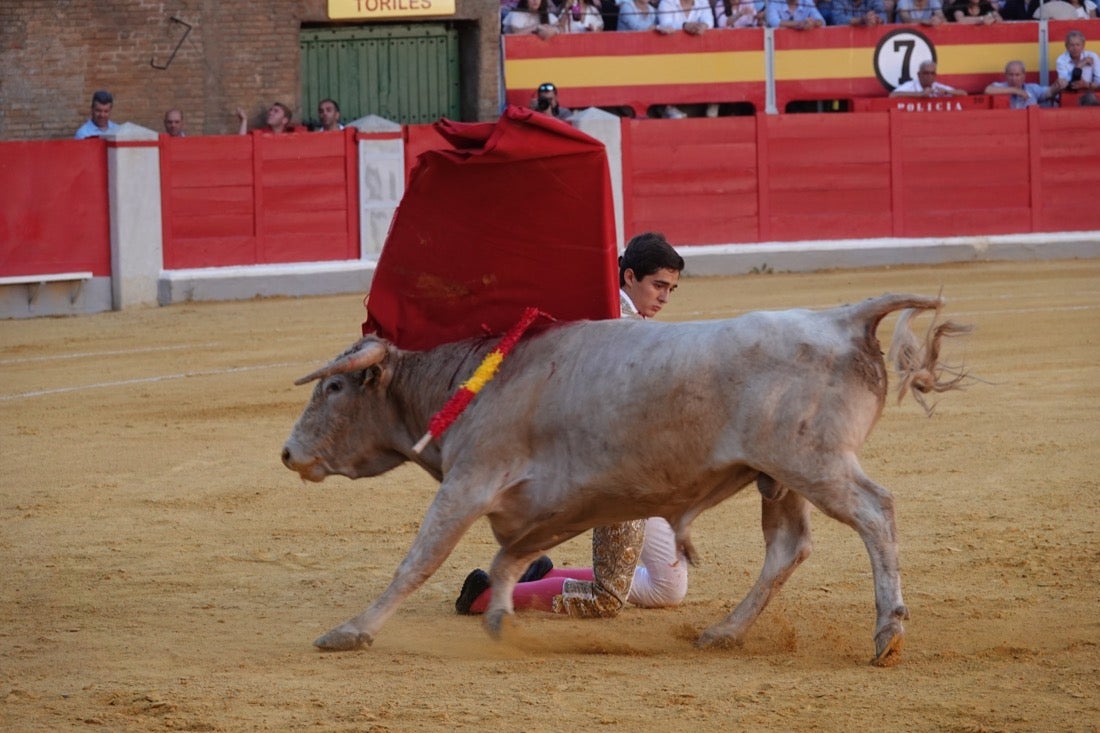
[[377, 376], [364, 355]]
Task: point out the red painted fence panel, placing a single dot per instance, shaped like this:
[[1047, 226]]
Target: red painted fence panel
[[691, 178], [963, 174], [828, 177], [858, 176], [54, 215], [1068, 150], [259, 199]]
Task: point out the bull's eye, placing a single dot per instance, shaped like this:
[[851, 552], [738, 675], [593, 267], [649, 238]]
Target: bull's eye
[[334, 386]]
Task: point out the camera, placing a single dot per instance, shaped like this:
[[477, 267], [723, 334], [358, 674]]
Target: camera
[[1075, 75], [543, 103]]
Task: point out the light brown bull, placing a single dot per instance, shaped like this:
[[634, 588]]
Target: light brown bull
[[563, 440]]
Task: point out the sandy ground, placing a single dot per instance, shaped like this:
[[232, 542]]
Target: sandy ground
[[161, 570]]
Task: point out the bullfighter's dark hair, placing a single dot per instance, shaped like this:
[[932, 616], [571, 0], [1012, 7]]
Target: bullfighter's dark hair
[[645, 254]]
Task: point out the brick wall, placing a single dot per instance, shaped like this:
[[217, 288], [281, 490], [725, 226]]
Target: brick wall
[[54, 55]]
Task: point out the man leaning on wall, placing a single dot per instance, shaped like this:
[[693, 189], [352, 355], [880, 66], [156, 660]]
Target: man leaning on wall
[[100, 121]]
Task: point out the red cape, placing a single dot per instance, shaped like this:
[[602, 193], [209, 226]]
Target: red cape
[[517, 214]]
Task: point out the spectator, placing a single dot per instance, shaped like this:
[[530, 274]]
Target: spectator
[[637, 15], [278, 120], [1024, 94], [532, 16], [925, 12], [1019, 9], [1078, 69], [637, 562], [1083, 9], [739, 13], [825, 7], [868, 13], [100, 121], [972, 12], [801, 15], [173, 123], [925, 85], [693, 17], [328, 111], [546, 101], [581, 16]]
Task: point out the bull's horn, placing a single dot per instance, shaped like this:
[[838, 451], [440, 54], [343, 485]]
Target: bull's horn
[[356, 361]]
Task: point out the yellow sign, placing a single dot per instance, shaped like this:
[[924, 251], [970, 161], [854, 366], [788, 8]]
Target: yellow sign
[[345, 9]]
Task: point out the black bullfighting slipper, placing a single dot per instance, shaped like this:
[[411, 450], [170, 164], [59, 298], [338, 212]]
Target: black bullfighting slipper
[[474, 585], [537, 570]]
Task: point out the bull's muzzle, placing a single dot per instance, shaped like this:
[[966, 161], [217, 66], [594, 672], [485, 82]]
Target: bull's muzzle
[[310, 469]]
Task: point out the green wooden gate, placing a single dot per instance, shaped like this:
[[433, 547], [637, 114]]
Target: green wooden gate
[[407, 73]]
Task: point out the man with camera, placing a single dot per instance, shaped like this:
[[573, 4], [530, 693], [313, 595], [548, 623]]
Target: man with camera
[[1078, 69], [546, 101]]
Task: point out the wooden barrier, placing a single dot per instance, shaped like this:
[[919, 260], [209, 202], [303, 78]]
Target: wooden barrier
[[54, 213], [241, 200], [876, 174]]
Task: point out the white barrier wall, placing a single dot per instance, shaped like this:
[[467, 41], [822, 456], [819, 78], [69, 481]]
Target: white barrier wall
[[137, 240]]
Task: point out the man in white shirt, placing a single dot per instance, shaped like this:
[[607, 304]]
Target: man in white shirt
[[1078, 69], [100, 121], [925, 85]]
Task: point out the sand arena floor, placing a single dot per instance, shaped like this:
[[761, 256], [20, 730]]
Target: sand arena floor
[[161, 570]]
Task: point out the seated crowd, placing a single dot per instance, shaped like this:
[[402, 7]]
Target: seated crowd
[[547, 18], [1076, 80]]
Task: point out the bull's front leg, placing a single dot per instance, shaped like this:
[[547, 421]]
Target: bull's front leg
[[785, 521], [444, 524]]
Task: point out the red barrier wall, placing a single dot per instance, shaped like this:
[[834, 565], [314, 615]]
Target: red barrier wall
[[54, 213], [1065, 150], [691, 178], [257, 199], [825, 177], [879, 174]]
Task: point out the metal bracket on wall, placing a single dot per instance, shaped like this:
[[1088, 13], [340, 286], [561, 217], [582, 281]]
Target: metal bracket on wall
[[187, 30]]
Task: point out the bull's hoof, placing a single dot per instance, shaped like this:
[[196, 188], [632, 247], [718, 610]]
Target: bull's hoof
[[494, 623], [888, 644], [344, 638], [713, 639]]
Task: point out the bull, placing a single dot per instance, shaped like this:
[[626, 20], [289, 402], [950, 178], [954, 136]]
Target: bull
[[599, 422]]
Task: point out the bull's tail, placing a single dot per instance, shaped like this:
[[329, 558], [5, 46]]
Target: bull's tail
[[918, 365]]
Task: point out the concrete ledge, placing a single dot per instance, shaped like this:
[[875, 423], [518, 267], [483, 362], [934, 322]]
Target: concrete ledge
[[261, 281], [42, 296], [354, 276], [739, 259]]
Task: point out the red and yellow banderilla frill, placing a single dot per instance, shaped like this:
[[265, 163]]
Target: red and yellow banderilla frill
[[482, 375]]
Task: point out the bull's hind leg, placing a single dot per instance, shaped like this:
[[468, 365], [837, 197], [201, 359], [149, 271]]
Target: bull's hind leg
[[869, 509], [786, 524]]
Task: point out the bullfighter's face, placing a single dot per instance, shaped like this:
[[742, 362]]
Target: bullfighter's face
[[651, 293]]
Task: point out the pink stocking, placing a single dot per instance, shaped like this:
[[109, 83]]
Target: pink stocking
[[537, 595]]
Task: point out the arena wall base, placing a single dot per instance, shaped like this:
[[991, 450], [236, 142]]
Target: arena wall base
[[61, 298], [740, 259], [265, 281]]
